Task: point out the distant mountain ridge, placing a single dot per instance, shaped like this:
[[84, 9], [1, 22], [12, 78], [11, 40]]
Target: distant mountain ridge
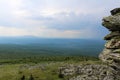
[[42, 46], [31, 39]]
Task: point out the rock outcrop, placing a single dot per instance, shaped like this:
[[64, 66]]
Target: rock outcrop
[[111, 53], [110, 56]]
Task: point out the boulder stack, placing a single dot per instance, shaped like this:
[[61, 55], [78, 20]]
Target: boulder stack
[[111, 52]]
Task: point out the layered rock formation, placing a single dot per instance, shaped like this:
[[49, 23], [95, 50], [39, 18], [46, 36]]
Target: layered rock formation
[[111, 53]]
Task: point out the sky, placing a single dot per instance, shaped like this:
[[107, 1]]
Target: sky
[[55, 18]]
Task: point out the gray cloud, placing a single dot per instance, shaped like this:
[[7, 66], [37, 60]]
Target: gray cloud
[[56, 15]]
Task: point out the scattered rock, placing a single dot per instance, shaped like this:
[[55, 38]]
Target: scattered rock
[[89, 72], [67, 70]]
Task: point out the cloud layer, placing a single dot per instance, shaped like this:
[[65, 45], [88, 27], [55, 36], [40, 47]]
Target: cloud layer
[[54, 18]]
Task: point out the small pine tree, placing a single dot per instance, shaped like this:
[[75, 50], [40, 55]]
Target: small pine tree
[[60, 74], [23, 77], [31, 77]]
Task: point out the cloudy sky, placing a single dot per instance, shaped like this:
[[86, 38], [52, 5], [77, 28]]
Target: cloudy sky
[[54, 18]]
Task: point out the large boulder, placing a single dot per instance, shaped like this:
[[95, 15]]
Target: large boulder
[[112, 22]]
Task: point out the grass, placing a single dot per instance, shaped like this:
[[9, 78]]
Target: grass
[[40, 71]]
